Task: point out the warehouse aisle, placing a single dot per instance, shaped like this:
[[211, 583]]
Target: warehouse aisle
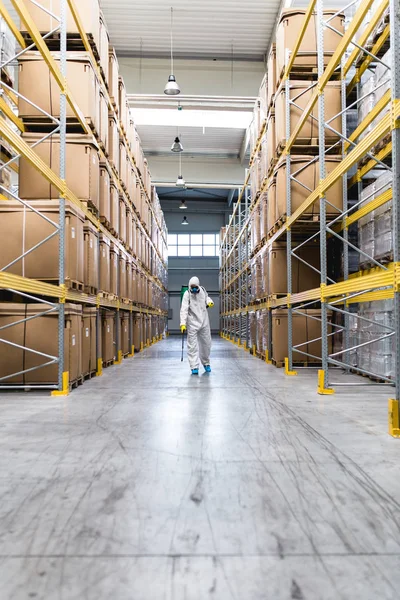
[[150, 484]]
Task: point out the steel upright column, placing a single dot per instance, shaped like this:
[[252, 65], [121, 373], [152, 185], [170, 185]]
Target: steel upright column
[[289, 362], [323, 374], [394, 420], [345, 208], [63, 377], [247, 205]]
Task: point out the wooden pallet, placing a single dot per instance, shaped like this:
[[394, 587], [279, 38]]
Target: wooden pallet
[[43, 124], [373, 378], [107, 295], [299, 364], [89, 375], [91, 291], [74, 42], [108, 363]]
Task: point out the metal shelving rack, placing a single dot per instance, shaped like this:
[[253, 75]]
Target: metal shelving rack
[[53, 297], [382, 280]]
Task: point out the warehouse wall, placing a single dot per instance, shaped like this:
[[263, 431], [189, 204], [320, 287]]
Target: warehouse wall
[[195, 77], [180, 270]]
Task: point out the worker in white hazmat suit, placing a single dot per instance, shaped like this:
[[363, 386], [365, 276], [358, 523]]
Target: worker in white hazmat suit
[[194, 318]]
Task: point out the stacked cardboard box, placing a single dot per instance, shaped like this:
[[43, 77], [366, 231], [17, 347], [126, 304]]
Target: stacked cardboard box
[[108, 174]]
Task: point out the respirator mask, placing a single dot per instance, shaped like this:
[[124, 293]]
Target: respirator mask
[[195, 289]]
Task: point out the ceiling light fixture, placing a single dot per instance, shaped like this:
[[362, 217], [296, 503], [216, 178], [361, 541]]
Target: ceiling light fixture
[[185, 221], [172, 88], [180, 182], [183, 205], [177, 145]]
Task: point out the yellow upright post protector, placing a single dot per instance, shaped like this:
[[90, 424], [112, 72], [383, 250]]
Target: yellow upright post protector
[[322, 390], [65, 385], [394, 418]]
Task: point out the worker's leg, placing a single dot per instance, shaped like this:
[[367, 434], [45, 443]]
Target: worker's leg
[[204, 336], [193, 349]]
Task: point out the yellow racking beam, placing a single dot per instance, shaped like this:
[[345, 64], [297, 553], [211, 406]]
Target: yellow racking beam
[[329, 70], [372, 115], [381, 155], [369, 59], [373, 205], [306, 20], [88, 48], [11, 25], [7, 110], [351, 159], [369, 29], [46, 54], [25, 150]]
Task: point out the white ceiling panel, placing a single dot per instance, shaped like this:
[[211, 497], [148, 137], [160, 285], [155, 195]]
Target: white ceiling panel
[[202, 28]]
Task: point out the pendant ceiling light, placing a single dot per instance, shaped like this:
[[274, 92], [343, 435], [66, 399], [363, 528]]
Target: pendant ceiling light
[[183, 205], [185, 221], [172, 88], [180, 182], [177, 145]]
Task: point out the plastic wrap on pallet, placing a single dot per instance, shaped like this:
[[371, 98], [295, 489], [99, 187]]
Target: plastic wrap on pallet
[[383, 220], [376, 357], [366, 226], [252, 329], [7, 49], [349, 14], [368, 95]]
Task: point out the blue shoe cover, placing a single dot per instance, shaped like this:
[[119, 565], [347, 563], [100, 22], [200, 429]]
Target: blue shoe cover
[[195, 371], [207, 368]]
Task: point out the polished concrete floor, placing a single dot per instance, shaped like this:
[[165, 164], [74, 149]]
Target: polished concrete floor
[[150, 484]]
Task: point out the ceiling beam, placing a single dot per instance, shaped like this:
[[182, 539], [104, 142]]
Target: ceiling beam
[[225, 103]]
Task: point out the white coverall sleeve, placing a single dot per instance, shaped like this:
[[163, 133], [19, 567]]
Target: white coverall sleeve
[[185, 308]]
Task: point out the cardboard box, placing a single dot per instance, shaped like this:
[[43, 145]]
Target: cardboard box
[[129, 278], [81, 157], [271, 74], [129, 228], [124, 333], [91, 258], [88, 10], [122, 293], [263, 215], [108, 337], [271, 141], [304, 330], [122, 220], [89, 330], [301, 93], [30, 335], [105, 193], [82, 83], [114, 207], [287, 33], [113, 141], [104, 123], [122, 106], [123, 164], [272, 210], [137, 332], [309, 176], [114, 259], [135, 283], [113, 77], [22, 229], [105, 264], [104, 47], [303, 277]]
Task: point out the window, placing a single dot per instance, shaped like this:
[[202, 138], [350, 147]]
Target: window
[[193, 244]]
